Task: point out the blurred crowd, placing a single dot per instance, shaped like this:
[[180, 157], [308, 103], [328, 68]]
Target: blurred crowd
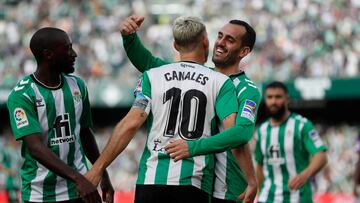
[[337, 177], [310, 38]]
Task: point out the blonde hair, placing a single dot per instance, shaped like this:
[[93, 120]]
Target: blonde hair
[[187, 31]]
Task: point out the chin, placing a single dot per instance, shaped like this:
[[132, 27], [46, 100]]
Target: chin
[[69, 70]]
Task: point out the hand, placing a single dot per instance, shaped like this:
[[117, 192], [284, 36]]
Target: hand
[[178, 150], [249, 195], [298, 181], [131, 24], [107, 189], [93, 176], [86, 190]]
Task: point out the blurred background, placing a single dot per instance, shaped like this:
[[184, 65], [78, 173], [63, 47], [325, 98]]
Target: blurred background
[[312, 45]]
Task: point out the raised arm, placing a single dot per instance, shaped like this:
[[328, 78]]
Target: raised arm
[[139, 56]]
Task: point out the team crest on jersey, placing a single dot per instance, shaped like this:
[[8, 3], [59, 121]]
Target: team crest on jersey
[[20, 118], [249, 110], [77, 96], [275, 157]]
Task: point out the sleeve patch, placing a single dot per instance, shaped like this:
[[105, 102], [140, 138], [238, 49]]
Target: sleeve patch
[[248, 110], [314, 136], [20, 118]]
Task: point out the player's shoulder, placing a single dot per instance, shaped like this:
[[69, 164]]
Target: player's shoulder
[[263, 125], [22, 87], [303, 121], [246, 85]]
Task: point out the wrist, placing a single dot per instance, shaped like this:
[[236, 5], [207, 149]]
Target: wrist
[[306, 173]]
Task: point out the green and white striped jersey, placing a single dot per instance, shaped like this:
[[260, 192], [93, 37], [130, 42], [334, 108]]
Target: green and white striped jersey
[[186, 99], [57, 115], [229, 179], [284, 151]]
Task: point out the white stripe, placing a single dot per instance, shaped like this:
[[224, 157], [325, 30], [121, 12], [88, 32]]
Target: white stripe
[[81, 167], [37, 184], [220, 174], [251, 85], [174, 172], [278, 179], [199, 165], [61, 185], [249, 81], [290, 159], [241, 91], [151, 165], [264, 193]]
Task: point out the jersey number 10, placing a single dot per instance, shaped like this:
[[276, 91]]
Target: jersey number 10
[[192, 113]]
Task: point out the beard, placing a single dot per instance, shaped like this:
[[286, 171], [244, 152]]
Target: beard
[[277, 115], [228, 60]]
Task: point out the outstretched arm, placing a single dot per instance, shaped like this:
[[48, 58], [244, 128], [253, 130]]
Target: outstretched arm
[[139, 56], [122, 135]]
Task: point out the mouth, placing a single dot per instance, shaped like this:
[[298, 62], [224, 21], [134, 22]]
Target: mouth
[[219, 51]]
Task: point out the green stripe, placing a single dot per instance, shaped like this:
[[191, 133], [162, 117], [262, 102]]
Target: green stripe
[[187, 167], [70, 108], [270, 169], [162, 169], [50, 179], [208, 174], [284, 172], [145, 155]]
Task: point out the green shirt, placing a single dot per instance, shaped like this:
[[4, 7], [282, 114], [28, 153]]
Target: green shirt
[[57, 115], [229, 179], [284, 151]]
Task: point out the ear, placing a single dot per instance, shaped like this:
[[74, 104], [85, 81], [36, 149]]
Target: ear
[[48, 54], [244, 51], [176, 46]]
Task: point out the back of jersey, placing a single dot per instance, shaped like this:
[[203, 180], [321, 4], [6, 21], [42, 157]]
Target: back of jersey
[[185, 99]]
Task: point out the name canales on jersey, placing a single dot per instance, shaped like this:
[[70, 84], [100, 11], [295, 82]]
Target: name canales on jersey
[[186, 75]]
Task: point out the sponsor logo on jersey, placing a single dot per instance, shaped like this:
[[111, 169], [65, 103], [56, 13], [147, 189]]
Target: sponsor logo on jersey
[[248, 110], [77, 96], [275, 155], [62, 130], [39, 102], [158, 148], [20, 118], [314, 136]]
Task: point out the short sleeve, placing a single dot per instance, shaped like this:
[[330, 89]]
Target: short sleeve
[[226, 102], [86, 118], [311, 139], [142, 94], [23, 116]]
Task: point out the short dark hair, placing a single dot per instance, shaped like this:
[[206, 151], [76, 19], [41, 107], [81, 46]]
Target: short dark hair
[[45, 38], [249, 37], [277, 84]]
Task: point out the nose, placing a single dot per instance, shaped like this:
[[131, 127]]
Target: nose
[[221, 41], [73, 53]]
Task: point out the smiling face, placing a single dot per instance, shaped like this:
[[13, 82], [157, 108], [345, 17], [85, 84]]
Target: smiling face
[[228, 45]]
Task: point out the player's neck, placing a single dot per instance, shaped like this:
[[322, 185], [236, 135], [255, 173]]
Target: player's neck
[[274, 121], [193, 56], [228, 70], [46, 77]]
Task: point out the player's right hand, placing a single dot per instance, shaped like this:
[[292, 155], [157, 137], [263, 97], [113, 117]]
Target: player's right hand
[[86, 190], [178, 149], [131, 24]]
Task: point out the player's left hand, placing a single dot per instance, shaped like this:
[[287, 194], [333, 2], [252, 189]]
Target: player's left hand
[[249, 195], [107, 189], [178, 149], [93, 177], [298, 181]]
